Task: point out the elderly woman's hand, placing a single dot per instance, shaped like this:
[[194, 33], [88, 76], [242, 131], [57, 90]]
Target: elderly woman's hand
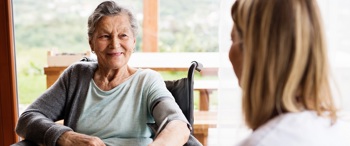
[[71, 138]]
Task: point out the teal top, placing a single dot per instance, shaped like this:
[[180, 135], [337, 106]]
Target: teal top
[[120, 116]]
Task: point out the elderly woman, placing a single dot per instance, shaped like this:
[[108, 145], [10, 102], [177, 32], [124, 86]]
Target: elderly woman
[[109, 102], [279, 56]]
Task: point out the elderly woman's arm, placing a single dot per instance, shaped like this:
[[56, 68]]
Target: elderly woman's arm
[[176, 133], [37, 123], [174, 129]]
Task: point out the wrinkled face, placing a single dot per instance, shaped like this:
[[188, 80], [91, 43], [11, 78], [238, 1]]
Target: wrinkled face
[[236, 53], [113, 41]]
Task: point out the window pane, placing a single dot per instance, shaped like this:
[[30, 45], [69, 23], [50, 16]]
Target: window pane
[[336, 16], [188, 25]]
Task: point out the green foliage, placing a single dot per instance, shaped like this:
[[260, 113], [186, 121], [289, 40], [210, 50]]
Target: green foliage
[[30, 87], [183, 27], [31, 80], [189, 26]]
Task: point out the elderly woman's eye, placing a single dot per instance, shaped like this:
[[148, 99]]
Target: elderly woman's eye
[[123, 35], [104, 36]]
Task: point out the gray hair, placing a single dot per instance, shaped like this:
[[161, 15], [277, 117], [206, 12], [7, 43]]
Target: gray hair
[[109, 8]]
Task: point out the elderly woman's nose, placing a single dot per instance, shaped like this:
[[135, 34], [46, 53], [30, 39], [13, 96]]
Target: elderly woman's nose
[[115, 42]]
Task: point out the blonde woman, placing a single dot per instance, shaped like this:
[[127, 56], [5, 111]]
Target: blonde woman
[[279, 56]]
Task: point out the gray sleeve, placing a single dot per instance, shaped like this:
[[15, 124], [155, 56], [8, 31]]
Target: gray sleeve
[[164, 110], [37, 122]]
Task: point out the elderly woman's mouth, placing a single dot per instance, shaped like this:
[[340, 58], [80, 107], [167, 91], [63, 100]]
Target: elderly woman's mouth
[[115, 54]]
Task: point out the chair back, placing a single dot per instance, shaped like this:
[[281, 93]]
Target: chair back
[[182, 90]]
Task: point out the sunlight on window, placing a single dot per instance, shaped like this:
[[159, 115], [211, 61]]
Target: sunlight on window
[[336, 16], [189, 25]]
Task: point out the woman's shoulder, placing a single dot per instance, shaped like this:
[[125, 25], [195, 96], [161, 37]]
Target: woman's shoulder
[[83, 66], [80, 69], [148, 72], [147, 76], [303, 128]]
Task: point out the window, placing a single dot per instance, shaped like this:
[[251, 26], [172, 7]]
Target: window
[[336, 16], [189, 25]]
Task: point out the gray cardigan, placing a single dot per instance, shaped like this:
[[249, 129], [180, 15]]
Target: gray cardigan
[[65, 100]]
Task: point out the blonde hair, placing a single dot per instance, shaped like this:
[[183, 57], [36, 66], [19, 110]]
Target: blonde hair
[[285, 67]]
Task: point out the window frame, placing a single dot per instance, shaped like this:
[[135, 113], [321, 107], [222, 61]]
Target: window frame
[[8, 88]]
